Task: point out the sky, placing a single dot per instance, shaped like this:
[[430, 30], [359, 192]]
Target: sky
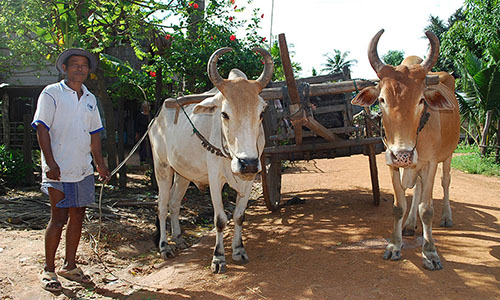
[[316, 27]]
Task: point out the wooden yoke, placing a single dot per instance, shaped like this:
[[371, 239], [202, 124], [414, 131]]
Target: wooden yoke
[[297, 113]]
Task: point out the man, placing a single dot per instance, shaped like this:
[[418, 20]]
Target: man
[[67, 124]]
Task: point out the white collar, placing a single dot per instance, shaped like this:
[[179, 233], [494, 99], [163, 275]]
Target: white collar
[[85, 91]]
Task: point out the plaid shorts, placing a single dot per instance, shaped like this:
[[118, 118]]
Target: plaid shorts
[[76, 194]]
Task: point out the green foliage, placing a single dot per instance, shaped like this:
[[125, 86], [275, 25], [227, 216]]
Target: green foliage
[[12, 167], [466, 148], [475, 31], [475, 164], [337, 61], [393, 57], [479, 90], [279, 73], [439, 28]]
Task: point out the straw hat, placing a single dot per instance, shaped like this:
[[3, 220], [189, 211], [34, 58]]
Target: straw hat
[[76, 51]]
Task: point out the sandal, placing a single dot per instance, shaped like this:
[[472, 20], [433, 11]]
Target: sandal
[[50, 282], [75, 275]]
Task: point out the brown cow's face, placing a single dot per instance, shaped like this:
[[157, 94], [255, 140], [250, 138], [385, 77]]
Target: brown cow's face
[[403, 96], [401, 99]]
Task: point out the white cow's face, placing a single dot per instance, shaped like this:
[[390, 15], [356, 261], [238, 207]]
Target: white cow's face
[[241, 118], [240, 109]]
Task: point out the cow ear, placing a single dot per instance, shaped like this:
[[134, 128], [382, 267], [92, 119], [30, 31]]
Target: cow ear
[[207, 106], [366, 97], [440, 97]]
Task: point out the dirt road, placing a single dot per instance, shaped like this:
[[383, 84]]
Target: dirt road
[[330, 247]]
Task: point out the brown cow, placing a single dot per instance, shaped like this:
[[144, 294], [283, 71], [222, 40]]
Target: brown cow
[[422, 126]]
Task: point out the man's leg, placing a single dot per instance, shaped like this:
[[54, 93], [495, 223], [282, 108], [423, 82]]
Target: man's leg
[[58, 218], [73, 234]]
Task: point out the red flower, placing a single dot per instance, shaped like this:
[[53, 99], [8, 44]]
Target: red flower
[[232, 37], [190, 4], [231, 19], [264, 39], [152, 73], [262, 16], [168, 37], [236, 6], [195, 5], [211, 37], [232, 1]]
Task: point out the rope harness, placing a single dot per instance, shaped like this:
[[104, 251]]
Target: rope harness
[[204, 142]]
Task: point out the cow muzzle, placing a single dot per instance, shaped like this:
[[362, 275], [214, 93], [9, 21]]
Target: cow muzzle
[[245, 168], [248, 165], [401, 158]]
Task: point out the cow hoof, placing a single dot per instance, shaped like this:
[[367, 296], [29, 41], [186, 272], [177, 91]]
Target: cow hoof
[[393, 255], [165, 250], [240, 257], [180, 243], [407, 231], [431, 261], [218, 266], [166, 253], [446, 222], [392, 252]]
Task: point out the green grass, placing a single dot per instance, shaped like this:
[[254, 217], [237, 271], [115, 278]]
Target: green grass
[[471, 161], [466, 148]]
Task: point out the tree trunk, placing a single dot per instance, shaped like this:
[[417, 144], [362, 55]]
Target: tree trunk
[[27, 147], [122, 181], [194, 19], [484, 136], [5, 120], [107, 105], [497, 151]]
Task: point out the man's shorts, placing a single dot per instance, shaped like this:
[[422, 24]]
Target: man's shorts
[[76, 194]]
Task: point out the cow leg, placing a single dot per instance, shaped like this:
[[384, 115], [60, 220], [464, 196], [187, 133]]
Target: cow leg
[[179, 188], [411, 221], [446, 220], [430, 256], [220, 219], [164, 178], [239, 254], [393, 249]]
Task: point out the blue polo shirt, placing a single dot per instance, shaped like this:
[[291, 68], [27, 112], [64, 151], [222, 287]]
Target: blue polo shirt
[[70, 122]]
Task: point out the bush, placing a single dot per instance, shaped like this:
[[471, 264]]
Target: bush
[[469, 160], [12, 167]]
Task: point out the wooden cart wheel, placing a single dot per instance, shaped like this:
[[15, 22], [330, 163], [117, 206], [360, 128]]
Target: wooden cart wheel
[[271, 183]]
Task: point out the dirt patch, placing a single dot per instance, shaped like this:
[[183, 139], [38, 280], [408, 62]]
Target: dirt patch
[[328, 247]]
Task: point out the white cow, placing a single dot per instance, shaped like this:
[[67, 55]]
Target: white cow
[[231, 121]]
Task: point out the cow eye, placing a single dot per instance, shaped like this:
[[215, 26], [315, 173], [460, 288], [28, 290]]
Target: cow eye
[[225, 116], [381, 100], [422, 100]]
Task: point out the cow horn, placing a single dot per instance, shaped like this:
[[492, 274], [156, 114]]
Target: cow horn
[[267, 73], [213, 74], [375, 61], [433, 54]]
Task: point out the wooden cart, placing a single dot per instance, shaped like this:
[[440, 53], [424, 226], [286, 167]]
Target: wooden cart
[[312, 118]]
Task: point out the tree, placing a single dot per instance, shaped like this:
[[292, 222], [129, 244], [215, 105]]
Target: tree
[[34, 31], [471, 43], [482, 93], [336, 62], [393, 57], [439, 28]]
